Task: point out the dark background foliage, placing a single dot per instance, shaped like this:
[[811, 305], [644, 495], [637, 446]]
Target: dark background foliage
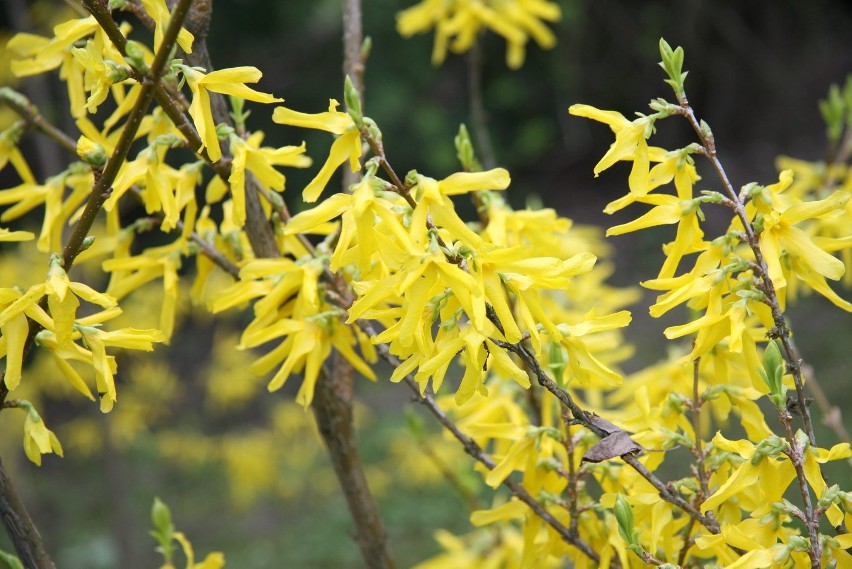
[[757, 70]]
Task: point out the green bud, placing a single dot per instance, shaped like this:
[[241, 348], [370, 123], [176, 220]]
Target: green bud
[[771, 446], [117, 72], [802, 439], [353, 102], [782, 556], [706, 133], [170, 140], [829, 496], [87, 242], [549, 464], [373, 128], [275, 200], [223, 131], [464, 151], [135, 56], [672, 64], [711, 197], [759, 222], [238, 112], [557, 361], [161, 517], [117, 4], [366, 48], [624, 517], [832, 111], [799, 543], [773, 370]]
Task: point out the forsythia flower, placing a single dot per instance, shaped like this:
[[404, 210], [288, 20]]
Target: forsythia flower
[[62, 329], [308, 325], [346, 145], [38, 439], [9, 152], [630, 144], [459, 22], [228, 82], [159, 12], [248, 155]]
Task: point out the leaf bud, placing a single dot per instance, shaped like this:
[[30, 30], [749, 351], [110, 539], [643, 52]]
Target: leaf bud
[[353, 102], [624, 517]]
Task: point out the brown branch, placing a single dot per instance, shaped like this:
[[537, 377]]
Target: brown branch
[[697, 450], [571, 475], [28, 111], [20, 527], [811, 516], [478, 115], [476, 452], [332, 406]]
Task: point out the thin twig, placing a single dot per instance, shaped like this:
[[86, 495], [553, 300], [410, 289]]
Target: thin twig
[[795, 453], [475, 451], [478, 115], [28, 111], [20, 528]]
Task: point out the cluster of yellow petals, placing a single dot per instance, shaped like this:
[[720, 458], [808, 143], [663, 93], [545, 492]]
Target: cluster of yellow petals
[[65, 335], [458, 23]]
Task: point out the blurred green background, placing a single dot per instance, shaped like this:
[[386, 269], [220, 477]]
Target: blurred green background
[[756, 72]]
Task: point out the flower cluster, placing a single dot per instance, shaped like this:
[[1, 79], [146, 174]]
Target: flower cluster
[[457, 24]]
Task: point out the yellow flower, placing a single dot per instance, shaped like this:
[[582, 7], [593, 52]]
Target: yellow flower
[[630, 144], [38, 439], [159, 12], [130, 273], [460, 21], [100, 74], [259, 161], [346, 145], [764, 480], [9, 153], [230, 81], [37, 54], [780, 233], [6, 235]]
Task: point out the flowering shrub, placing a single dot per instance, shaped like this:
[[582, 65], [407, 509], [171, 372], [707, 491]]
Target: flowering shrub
[[386, 269]]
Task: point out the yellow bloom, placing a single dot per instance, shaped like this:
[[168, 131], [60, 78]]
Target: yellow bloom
[[248, 155], [630, 144], [37, 54], [346, 145], [99, 74], [159, 12], [38, 439], [780, 233], [230, 81], [6, 235], [460, 22], [766, 481], [9, 153]]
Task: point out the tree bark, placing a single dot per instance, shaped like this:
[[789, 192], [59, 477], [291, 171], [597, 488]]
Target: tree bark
[[20, 528], [332, 407]]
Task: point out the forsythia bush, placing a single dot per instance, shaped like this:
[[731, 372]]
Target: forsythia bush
[[386, 280]]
